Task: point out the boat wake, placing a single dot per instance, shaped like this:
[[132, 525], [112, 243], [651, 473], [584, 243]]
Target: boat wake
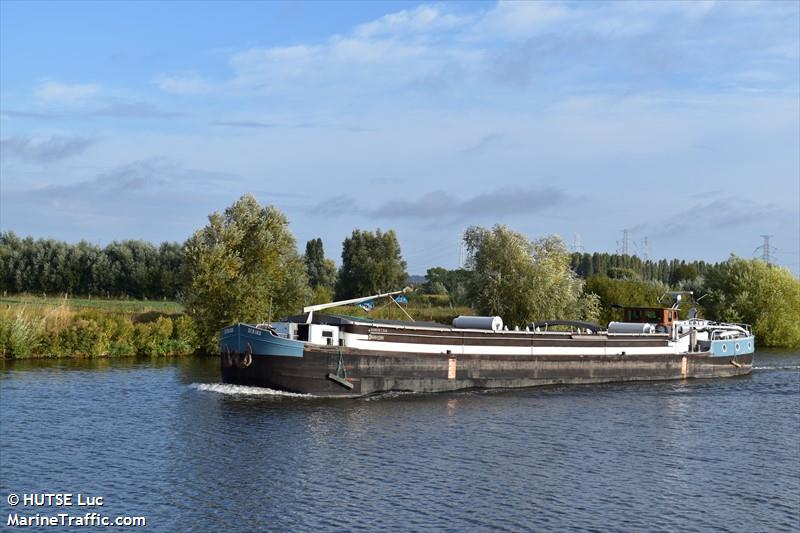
[[242, 390], [777, 367]]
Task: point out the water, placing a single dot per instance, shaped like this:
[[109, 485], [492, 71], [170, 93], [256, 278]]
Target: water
[[168, 442]]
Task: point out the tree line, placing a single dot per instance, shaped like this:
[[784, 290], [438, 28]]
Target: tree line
[[127, 269], [627, 266], [244, 266], [139, 269]]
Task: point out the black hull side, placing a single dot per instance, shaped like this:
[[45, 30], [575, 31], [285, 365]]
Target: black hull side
[[372, 372]]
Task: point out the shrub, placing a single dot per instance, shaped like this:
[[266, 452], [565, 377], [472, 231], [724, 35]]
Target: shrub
[[153, 339], [20, 334], [184, 336]]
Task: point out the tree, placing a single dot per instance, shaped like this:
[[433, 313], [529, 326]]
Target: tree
[[752, 291], [624, 292], [454, 283], [623, 273], [523, 281], [371, 263], [242, 267], [321, 271], [683, 273]]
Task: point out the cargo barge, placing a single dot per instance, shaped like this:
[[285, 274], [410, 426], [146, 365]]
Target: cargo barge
[[334, 355]]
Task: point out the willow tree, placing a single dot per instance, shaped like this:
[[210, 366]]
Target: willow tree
[[242, 267], [752, 291], [524, 281]]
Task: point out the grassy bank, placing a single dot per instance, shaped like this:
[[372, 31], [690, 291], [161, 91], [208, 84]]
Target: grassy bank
[[40, 326], [119, 305], [62, 327]]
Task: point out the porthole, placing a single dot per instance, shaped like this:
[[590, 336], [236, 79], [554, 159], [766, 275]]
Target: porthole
[[749, 345], [738, 347], [724, 348]]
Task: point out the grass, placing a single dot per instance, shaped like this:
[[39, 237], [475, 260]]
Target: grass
[[103, 304], [33, 326]]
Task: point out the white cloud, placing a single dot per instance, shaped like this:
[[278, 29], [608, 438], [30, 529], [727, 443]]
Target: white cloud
[[191, 84], [419, 20], [56, 92], [522, 19], [516, 46]]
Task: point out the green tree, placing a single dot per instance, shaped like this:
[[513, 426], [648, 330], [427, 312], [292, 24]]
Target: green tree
[[622, 273], [752, 291], [243, 265], [454, 283], [683, 273], [321, 271], [523, 281], [371, 263], [624, 292]]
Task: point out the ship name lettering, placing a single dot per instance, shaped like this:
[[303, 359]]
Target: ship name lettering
[[253, 331]]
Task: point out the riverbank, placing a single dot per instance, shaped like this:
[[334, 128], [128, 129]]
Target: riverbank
[[43, 327], [33, 327]]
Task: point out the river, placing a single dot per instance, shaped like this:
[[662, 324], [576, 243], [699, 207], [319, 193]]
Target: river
[[166, 441]]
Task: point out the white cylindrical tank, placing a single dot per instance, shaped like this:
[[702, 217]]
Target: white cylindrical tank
[[494, 323], [630, 327]]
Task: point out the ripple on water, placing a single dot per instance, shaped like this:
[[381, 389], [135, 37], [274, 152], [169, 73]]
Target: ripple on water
[[173, 444]]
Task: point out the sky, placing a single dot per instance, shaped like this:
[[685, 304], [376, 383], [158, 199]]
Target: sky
[[678, 121]]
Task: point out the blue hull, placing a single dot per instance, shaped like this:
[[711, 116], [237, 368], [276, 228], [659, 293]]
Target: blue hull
[[244, 338], [727, 348]]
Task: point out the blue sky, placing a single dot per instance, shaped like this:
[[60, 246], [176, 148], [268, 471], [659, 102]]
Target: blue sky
[[679, 121]]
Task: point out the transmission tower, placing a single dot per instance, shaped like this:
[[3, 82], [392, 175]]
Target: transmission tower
[[576, 243], [644, 248], [623, 246], [767, 250]]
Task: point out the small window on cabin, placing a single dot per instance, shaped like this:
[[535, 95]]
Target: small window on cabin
[[636, 314], [327, 334], [651, 315]]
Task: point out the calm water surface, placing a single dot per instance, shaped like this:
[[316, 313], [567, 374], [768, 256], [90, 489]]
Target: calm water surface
[[166, 441]]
